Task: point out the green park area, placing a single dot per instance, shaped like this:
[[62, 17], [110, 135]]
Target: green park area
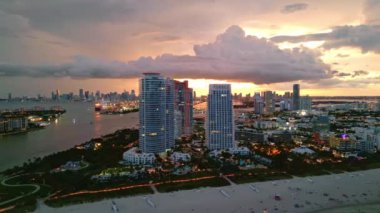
[[53, 181]]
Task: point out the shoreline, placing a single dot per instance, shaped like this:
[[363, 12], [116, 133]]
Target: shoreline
[[300, 194], [367, 207]]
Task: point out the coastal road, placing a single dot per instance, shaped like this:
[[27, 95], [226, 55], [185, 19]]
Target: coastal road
[[4, 183], [129, 187]]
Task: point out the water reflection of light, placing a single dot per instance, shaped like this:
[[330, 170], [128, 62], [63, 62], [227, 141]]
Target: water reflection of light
[[56, 121], [97, 116], [97, 124]]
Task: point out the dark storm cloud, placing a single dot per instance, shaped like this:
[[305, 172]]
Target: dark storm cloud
[[342, 74], [346, 74], [292, 8], [232, 56], [77, 20], [359, 73], [364, 37], [49, 15]]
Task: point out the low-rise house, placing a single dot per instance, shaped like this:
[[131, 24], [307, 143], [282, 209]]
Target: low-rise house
[[243, 151], [183, 170], [179, 156], [265, 124], [72, 165], [263, 160], [134, 157], [367, 138], [303, 150]]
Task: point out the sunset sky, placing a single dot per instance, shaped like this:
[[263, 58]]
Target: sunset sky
[[329, 47]]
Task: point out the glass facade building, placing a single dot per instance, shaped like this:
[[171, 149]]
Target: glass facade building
[[183, 102], [156, 113], [220, 133], [296, 97]]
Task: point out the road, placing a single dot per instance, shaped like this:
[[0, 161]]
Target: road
[[130, 187]]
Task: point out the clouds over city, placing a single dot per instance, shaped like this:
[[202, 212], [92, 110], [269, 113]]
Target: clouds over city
[[355, 73], [120, 39], [364, 37], [232, 56]]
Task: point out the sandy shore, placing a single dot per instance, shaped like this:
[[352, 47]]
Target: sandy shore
[[313, 194]]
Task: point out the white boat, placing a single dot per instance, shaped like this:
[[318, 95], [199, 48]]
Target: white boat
[[253, 188], [114, 207], [149, 202], [225, 193], [43, 124]]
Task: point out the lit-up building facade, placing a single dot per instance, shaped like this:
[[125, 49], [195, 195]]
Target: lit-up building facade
[[258, 104], [156, 113], [183, 103], [269, 102], [220, 133]]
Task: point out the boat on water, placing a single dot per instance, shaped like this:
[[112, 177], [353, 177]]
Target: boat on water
[[43, 124]]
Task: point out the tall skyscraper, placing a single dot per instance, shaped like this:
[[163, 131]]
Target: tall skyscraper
[[305, 103], [296, 96], [81, 94], [287, 95], [57, 95], [269, 102], [87, 94], [97, 95], [156, 113], [133, 95], [183, 103], [9, 96], [220, 133], [52, 95], [258, 104]]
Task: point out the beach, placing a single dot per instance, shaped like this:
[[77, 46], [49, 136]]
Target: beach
[[310, 194]]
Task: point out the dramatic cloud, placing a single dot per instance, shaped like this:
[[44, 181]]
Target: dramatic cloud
[[291, 8], [340, 74], [108, 29], [364, 37], [346, 74], [337, 83], [232, 56]]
